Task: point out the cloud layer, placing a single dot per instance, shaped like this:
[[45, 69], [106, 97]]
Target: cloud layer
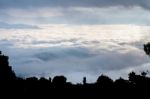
[[73, 3], [75, 37], [75, 12], [76, 51], [17, 26]]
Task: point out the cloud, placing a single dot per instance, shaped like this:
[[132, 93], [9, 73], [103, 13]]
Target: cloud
[[87, 50], [80, 48], [33, 12], [59, 53], [17, 26], [73, 3], [134, 15], [76, 15], [75, 11], [75, 61]]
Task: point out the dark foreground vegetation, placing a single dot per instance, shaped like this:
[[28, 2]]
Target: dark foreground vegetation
[[58, 87]]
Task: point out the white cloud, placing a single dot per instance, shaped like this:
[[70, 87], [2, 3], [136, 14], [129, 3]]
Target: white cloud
[[76, 37], [85, 50]]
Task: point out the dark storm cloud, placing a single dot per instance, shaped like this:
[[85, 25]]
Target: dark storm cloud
[[73, 3], [17, 26]]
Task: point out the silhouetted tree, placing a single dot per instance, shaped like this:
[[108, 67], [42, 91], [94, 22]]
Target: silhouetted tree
[[104, 81], [32, 79], [50, 80], [122, 83], [147, 48], [43, 79], [59, 80], [132, 76], [6, 72], [144, 74], [84, 80], [58, 87]]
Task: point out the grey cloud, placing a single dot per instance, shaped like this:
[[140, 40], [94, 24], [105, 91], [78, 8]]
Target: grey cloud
[[69, 15], [73, 3], [72, 61], [99, 16], [54, 41], [17, 26], [75, 61], [60, 53], [117, 61]]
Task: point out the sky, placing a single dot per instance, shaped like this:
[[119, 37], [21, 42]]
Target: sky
[[75, 38]]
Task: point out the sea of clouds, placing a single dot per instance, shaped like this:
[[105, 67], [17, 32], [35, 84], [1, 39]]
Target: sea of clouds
[[77, 50]]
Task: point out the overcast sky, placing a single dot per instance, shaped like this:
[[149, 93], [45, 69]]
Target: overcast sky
[[75, 38], [74, 12]]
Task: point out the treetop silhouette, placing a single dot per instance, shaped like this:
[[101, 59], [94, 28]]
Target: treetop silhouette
[[59, 87]]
